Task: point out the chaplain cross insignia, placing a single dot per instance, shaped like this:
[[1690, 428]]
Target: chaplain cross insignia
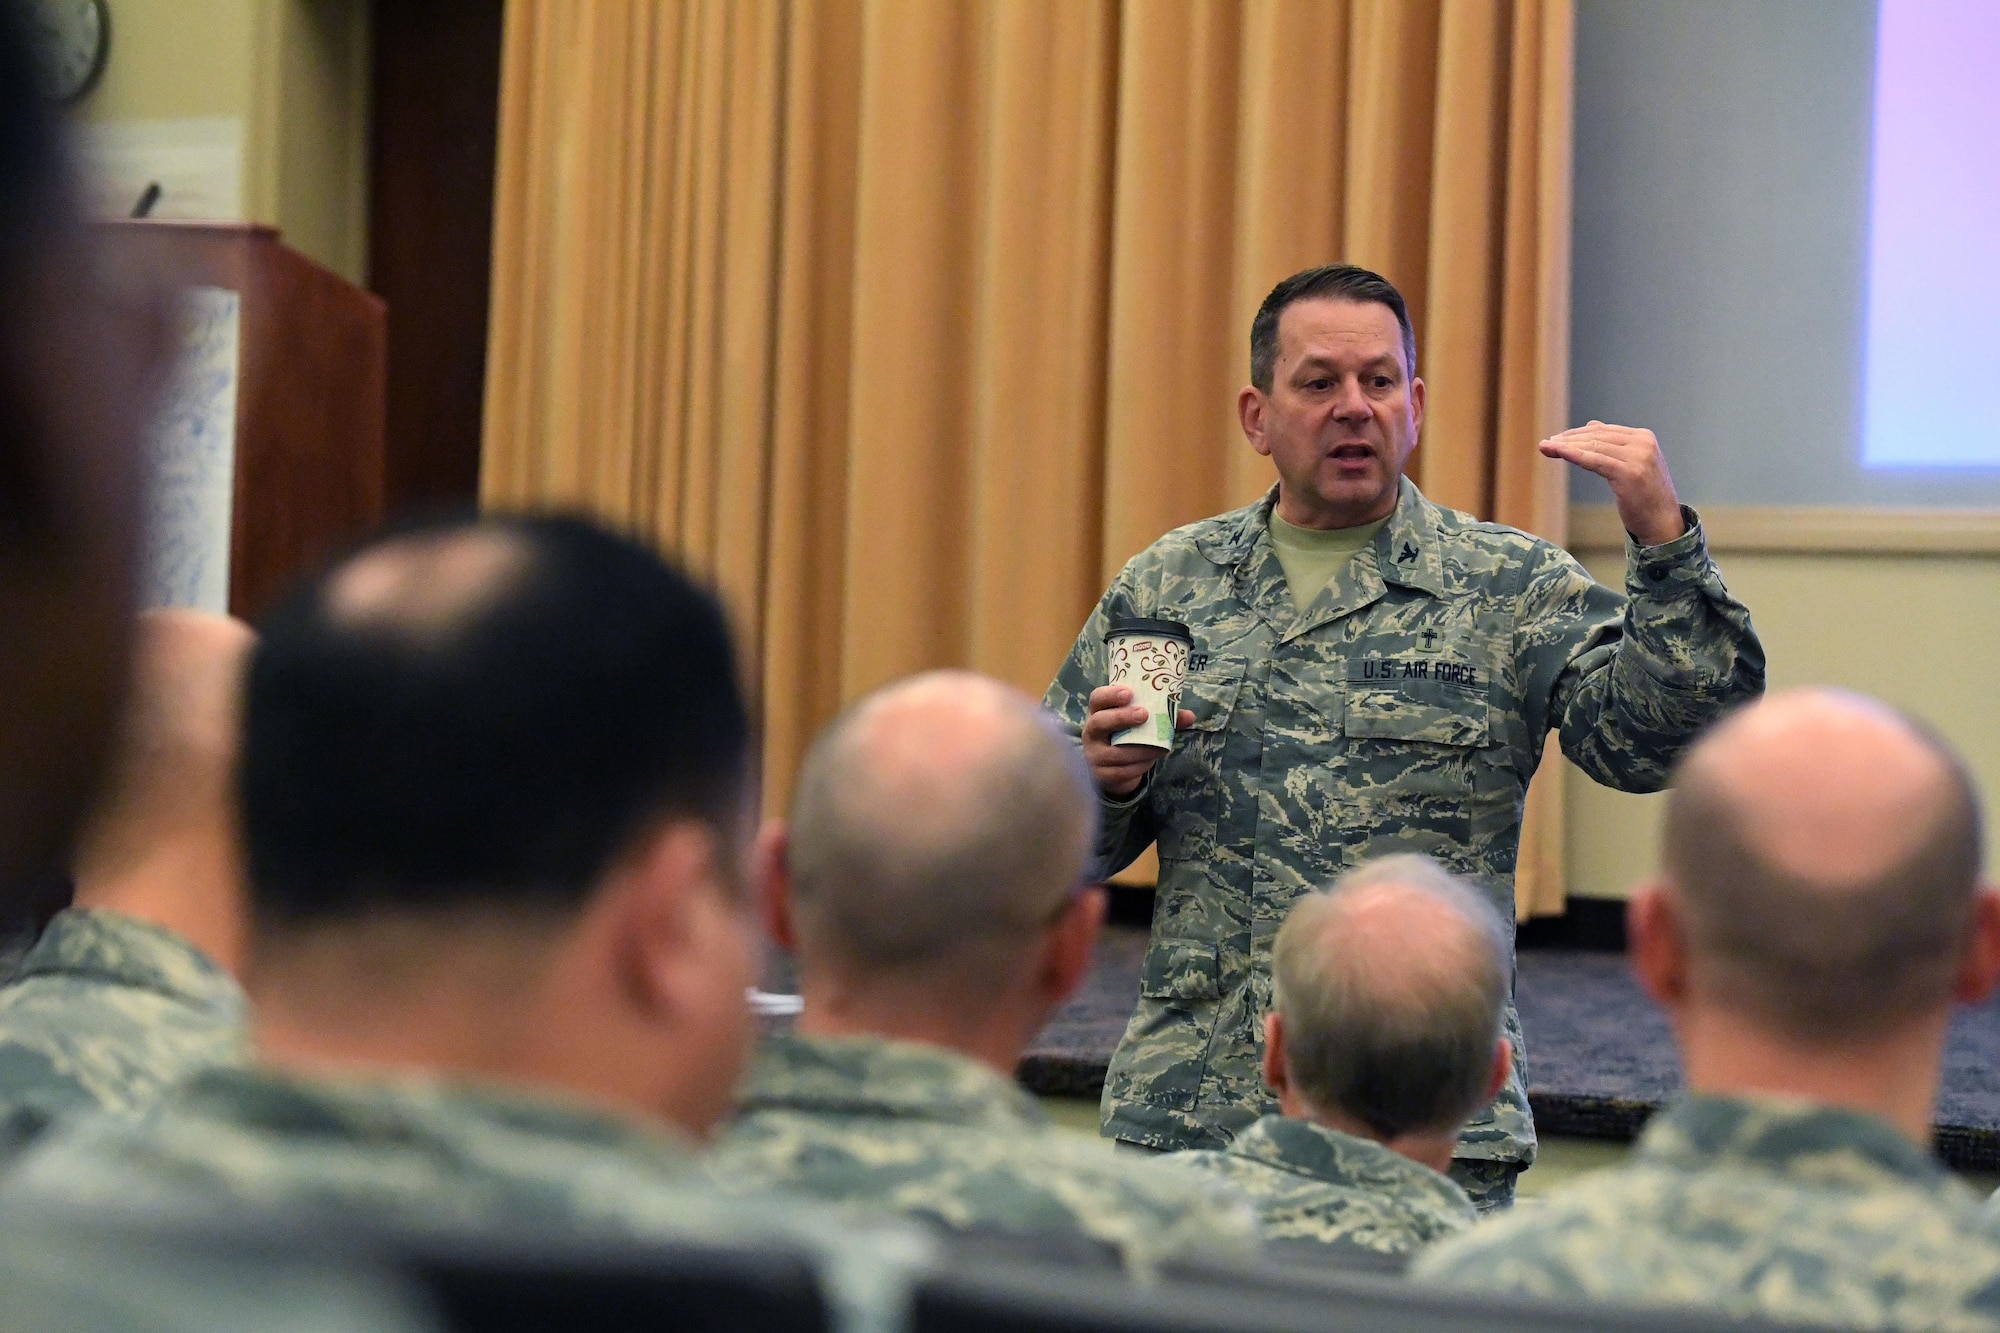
[[1406, 555], [1429, 637]]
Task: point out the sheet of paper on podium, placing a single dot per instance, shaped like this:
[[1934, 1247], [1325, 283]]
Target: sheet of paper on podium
[[194, 460]]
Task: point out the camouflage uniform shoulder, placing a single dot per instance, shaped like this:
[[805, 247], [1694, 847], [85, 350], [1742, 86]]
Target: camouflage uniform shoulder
[[407, 1147], [1760, 1208], [830, 1077], [1201, 545], [1148, 1205], [104, 1012], [425, 1152], [1458, 528], [1308, 1182], [1144, 1183], [85, 944], [1478, 555], [933, 1134]]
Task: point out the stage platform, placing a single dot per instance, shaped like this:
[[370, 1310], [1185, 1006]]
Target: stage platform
[[1600, 1058]]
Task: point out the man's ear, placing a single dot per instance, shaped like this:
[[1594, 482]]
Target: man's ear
[[1069, 945], [1250, 412], [1277, 1073], [771, 871], [653, 905], [1503, 1065], [1656, 944], [1979, 972], [1417, 395]]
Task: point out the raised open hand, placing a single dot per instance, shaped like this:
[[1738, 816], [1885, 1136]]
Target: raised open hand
[[1630, 459]]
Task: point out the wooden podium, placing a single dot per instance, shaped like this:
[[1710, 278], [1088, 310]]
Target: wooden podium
[[310, 389]]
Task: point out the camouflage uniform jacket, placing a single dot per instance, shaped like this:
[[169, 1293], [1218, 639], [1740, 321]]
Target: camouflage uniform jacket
[[105, 1011], [1753, 1207], [1404, 710], [933, 1134], [421, 1152], [1313, 1183]]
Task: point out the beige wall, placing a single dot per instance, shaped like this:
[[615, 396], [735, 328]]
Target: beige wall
[[174, 58], [1922, 632], [294, 73]]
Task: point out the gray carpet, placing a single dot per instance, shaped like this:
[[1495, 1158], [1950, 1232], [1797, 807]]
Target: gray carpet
[[1600, 1058]]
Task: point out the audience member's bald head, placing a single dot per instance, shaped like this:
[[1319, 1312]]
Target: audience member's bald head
[[172, 770], [938, 822], [1392, 986], [1827, 853]]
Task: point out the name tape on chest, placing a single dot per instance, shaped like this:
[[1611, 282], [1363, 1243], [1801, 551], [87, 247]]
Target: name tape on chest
[[1370, 670]]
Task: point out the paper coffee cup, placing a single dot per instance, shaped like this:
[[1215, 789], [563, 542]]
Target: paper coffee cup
[[1150, 658]]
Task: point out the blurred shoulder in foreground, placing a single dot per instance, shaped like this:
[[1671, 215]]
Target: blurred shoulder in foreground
[[131, 989]]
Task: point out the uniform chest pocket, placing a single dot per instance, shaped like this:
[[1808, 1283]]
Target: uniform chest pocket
[[1439, 715], [1412, 747], [1189, 784], [1210, 693]]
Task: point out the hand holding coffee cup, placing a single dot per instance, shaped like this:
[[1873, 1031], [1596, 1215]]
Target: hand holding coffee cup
[[1132, 719]]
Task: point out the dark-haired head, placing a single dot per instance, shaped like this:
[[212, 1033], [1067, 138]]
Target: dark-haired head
[[492, 785], [1328, 282], [482, 712]]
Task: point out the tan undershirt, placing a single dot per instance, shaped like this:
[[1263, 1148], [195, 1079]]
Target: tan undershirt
[[1311, 557]]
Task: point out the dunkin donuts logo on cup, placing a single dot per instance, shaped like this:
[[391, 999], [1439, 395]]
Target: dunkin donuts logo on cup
[[1150, 657]]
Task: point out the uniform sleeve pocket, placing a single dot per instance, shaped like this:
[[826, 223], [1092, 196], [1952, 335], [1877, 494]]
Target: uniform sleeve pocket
[[1180, 970]]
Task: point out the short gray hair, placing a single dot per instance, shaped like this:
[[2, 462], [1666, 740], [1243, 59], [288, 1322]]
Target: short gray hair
[[1400, 1037], [938, 824], [1819, 962]]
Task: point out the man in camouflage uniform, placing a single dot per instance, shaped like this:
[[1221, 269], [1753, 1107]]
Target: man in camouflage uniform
[[1819, 912], [1370, 674], [1384, 1039], [931, 885], [493, 784], [127, 991]]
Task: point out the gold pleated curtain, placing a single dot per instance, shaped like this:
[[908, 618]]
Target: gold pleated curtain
[[909, 321]]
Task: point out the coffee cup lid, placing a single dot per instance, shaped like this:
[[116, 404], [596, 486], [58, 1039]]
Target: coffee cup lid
[[1165, 629]]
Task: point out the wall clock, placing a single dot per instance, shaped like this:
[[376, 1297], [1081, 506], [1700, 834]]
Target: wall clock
[[75, 38]]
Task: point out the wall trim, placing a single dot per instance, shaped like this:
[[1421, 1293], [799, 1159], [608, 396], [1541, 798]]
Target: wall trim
[[1814, 528]]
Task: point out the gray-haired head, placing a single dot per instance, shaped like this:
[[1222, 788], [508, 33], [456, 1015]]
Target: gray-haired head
[[1826, 850], [938, 825], [1392, 986]]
